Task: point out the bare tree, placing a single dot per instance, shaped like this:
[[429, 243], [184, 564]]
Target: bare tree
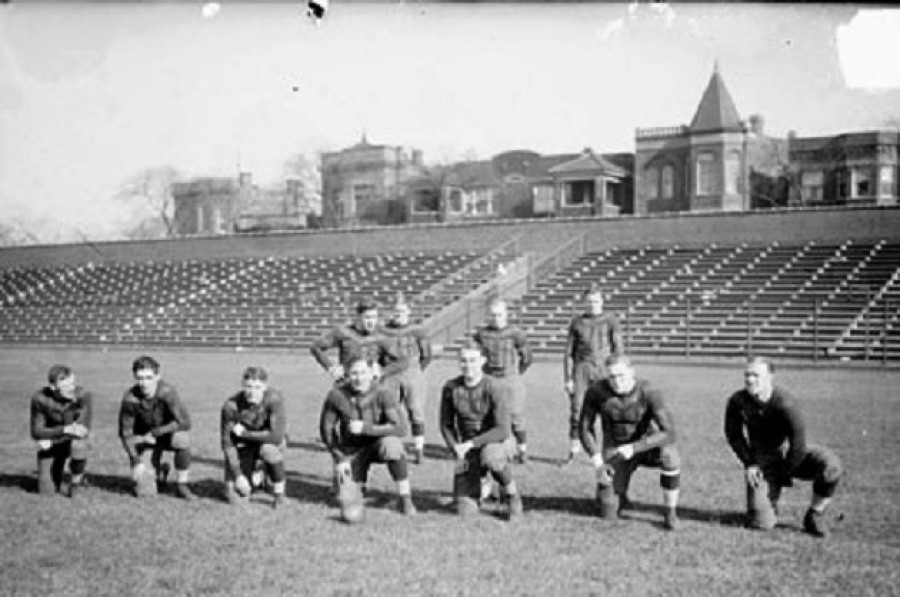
[[308, 171], [14, 233], [149, 192]]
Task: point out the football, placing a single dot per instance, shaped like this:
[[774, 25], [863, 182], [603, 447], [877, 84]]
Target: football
[[352, 511]]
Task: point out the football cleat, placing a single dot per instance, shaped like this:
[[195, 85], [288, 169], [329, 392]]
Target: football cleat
[[814, 523], [671, 522], [407, 507], [162, 476], [184, 492]]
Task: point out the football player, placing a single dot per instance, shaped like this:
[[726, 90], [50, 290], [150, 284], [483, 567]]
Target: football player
[[766, 431], [253, 429], [507, 357], [60, 425], [592, 337], [636, 429], [474, 421], [361, 338], [361, 424], [153, 420], [411, 343]]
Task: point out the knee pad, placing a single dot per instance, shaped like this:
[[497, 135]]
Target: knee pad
[[671, 459], [391, 448], [271, 454], [80, 449], [181, 440]]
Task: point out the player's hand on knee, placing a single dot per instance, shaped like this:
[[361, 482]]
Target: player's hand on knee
[[75, 430], [462, 449], [753, 475], [44, 444], [147, 439], [336, 372], [355, 426], [238, 429], [569, 387], [242, 485], [625, 451]]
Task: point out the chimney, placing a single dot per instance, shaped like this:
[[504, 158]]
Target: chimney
[[245, 179], [757, 124]]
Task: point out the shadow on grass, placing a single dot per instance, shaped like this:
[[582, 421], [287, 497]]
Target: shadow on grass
[[727, 518], [432, 451], [637, 511], [27, 483]]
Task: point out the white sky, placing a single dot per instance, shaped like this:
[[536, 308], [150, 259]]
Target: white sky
[[93, 93]]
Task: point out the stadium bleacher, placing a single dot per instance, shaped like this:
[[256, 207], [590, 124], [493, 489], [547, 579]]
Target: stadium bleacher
[[805, 300], [230, 302]]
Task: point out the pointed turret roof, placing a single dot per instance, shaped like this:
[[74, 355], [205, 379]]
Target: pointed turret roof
[[716, 111]]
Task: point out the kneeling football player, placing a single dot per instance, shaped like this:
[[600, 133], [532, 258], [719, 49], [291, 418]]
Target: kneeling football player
[[153, 420], [636, 429], [360, 425], [253, 430], [60, 424], [475, 423], [765, 429]]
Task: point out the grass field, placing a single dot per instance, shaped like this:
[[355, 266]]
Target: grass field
[[109, 543]]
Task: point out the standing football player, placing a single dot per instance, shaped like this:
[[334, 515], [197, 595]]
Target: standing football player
[[359, 339], [153, 420], [474, 421], [253, 429], [593, 336], [767, 433], [507, 357], [636, 429], [360, 425], [413, 346], [60, 425]]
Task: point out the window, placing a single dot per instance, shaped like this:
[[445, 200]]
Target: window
[[454, 200], [479, 201], [862, 182], [811, 186], [426, 201], [652, 183], [578, 192], [668, 182], [201, 221], [544, 202], [732, 172], [706, 163], [363, 193], [218, 223], [886, 181]]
